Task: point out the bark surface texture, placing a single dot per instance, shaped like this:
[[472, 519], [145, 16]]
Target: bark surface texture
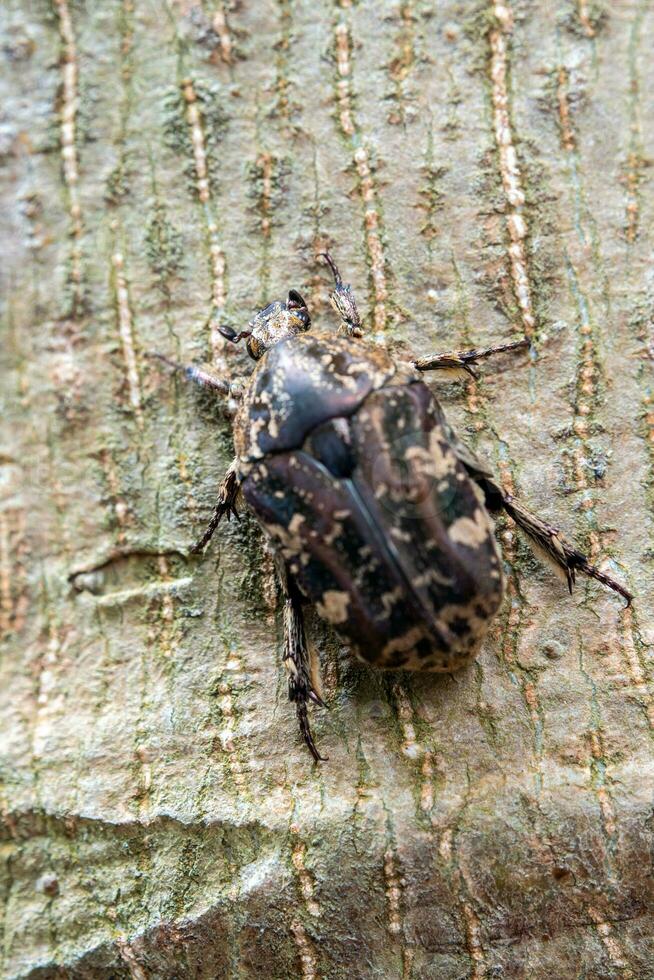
[[478, 171]]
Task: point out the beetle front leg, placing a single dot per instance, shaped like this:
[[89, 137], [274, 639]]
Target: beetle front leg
[[302, 680], [227, 495], [342, 299], [457, 362]]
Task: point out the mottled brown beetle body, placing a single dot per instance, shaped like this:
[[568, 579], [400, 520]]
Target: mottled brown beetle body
[[346, 464], [376, 511]]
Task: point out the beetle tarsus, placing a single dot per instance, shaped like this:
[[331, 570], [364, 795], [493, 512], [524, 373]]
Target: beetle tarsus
[[305, 728]]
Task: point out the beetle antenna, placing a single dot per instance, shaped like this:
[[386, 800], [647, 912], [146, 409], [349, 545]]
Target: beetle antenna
[[332, 265]]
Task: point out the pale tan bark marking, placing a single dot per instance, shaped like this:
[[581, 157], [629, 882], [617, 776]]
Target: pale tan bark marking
[[509, 165], [305, 878], [6, 598], [125, 327], [308, 962], [367, 188], [221, 27], [217, 256], [611, 943], [68, 147]]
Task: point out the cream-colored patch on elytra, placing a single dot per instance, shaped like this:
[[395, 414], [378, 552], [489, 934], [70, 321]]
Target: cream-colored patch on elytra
[[381, 490], [388, 599], [437, 461], [334, 534], [471, 531], [430, 577], [289, 539], [477, 625], [441, 453], [400, 644], [422, 458], [334, 605], [296, 522]]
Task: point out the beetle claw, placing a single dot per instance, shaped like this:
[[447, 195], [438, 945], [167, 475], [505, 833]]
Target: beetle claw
[[317, 699], [303, 719]]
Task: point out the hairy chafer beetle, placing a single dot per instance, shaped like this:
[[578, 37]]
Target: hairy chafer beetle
[[377, 513]]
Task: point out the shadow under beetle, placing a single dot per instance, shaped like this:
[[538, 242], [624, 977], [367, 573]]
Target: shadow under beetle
[[375, 510]]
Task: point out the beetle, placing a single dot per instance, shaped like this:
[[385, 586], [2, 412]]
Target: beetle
[[376, 512]]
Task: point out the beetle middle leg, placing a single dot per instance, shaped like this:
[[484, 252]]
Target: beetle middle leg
[[458, 362], [302, 682]]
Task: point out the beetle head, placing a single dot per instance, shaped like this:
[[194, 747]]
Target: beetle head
[[277, 321]]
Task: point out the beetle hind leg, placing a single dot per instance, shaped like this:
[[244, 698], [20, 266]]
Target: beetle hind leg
[[550, 544], [297, 661], [547, 541], [301, 671]]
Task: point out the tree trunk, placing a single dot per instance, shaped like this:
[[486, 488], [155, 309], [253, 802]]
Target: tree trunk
[[479, 171]]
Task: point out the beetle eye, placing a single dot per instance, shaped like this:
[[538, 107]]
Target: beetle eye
[[255, 348], [295, 301]]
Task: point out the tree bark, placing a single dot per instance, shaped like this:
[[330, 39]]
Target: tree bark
[[479, 171]]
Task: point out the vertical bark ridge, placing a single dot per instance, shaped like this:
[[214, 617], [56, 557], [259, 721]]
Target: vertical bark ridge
[[377, 261], [516, 220], [126, 332], [612, 944], [216, 254], [220, 24], [598, 769], [69, 154], [583, 11], [634, 163], [403, 60]]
